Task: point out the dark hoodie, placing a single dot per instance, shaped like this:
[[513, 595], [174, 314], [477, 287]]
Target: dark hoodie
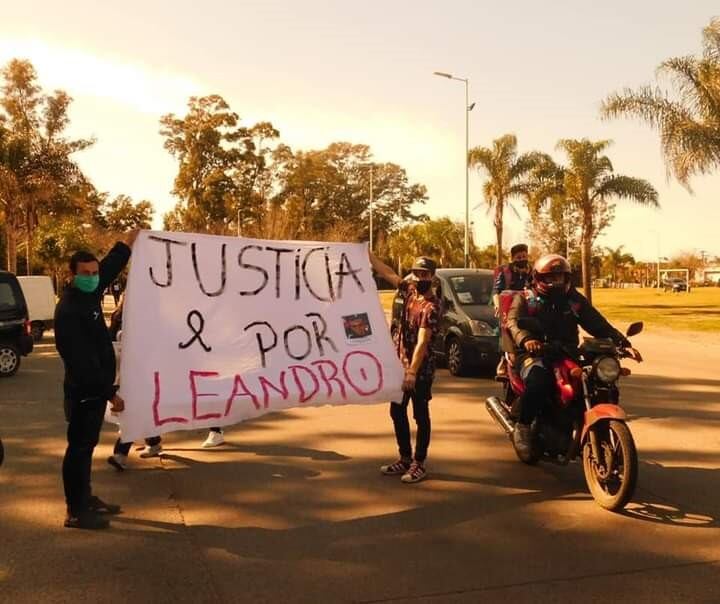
[[82, 337]]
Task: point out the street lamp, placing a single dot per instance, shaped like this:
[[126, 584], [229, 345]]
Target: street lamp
[[370, 206], [468, 109]]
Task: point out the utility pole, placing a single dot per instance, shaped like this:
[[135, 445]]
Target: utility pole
[[371, 207]]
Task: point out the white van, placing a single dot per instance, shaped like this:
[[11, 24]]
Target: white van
[[40, 297]]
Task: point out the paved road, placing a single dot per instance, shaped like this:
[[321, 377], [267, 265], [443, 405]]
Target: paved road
[[294, 510]]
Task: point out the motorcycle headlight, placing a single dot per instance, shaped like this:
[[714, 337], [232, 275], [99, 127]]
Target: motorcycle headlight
[[607, 369], [480, 328]]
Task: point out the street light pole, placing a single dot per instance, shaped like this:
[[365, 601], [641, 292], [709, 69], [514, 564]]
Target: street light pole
[[371, 207], [467, 177], [468, 109]]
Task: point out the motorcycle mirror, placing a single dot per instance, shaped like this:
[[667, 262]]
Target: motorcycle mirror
[[530, 324], [634, 329]]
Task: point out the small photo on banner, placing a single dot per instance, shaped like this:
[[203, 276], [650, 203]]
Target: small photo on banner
[[357, 326]]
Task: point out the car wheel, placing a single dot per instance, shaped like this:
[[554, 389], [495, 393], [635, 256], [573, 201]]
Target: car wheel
[[36, 331], [9, 360], [455, 357]]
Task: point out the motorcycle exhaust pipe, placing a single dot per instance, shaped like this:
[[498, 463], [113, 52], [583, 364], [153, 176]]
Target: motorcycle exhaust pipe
[[498, 412]]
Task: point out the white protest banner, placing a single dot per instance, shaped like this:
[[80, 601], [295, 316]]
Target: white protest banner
[[221, 329]]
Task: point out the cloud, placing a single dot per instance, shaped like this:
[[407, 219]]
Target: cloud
[[83, 73]]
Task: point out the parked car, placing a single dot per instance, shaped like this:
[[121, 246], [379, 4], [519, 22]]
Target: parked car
[[40, 298], [468, 335], [15, 338], [675, 285]]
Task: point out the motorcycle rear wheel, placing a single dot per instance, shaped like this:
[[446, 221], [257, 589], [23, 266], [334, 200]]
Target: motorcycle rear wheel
[[612, 483]]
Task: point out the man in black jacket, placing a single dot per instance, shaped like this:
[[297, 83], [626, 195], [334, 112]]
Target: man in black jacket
[[83, 341], [560, 309]]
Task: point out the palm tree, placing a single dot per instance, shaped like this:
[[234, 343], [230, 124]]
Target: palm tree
[[507, 174], [689, 120], [589, 183], [616, 259]]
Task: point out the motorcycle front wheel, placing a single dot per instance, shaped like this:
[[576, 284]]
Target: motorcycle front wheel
[[611, 479]]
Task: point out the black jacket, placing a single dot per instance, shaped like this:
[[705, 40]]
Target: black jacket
[[559, 320], [81, 335]]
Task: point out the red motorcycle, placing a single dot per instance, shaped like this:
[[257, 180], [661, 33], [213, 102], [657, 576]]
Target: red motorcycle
[[584, 417]]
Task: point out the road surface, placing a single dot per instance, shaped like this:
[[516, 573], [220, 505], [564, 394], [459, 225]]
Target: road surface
[[294, 509]]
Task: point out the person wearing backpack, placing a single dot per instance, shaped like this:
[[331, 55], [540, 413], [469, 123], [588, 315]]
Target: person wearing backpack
[[513, 276], [560, 310]]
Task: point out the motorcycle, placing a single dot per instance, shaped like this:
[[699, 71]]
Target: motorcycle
[[584, 417]]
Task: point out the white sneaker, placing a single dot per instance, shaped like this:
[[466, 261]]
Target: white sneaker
[[214, 439], [118, 461], [152, 451]]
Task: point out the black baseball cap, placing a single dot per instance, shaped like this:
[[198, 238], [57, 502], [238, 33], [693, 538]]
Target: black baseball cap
[[517, 248], [423, 263]]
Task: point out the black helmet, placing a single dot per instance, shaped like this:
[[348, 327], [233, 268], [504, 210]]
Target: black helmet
[[423, 263]]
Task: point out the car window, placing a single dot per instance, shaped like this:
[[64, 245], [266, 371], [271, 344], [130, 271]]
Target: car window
[[7, 297], [472, 289]]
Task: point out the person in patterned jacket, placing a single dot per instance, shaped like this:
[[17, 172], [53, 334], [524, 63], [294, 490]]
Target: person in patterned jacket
[[418, 326]]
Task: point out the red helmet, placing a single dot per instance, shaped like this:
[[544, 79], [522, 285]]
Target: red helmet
[[546, 267]]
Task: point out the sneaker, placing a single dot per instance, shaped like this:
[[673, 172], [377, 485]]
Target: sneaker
[[86, 520], [98, 506], [214, 439], [522, 441], [151, 451], [416, 472], [118, 461], [399, 467]]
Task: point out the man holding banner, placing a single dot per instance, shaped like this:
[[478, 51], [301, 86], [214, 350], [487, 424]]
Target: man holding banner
[[218, 330], [419, 324], [83, 341]]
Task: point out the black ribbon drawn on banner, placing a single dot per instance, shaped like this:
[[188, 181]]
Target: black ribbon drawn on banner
[[197, 331]]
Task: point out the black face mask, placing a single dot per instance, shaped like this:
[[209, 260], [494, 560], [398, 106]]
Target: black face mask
[[423, 287], [521, 263]]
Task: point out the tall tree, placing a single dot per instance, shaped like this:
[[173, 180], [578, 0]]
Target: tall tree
[[205, 142], [617, 260], [329, 189], [37, 172], [507, 174], [688, 119], [589, 185], [121, 214]]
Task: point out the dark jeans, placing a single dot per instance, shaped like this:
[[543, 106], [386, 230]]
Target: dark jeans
[[421, 413], [84, 422], [124, 448], [538, 389]]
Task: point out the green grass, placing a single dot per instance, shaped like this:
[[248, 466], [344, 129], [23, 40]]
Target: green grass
[[697, 311]]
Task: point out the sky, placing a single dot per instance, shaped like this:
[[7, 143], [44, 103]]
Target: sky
[[324, 71]]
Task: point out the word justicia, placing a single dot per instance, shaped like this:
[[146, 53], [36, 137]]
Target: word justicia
[[286, 269]]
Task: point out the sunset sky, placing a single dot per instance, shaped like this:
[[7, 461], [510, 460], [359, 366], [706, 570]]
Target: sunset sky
[[324, 71]]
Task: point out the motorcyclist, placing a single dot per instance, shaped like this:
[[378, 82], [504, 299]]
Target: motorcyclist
[[512, 276], [560, 309]]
